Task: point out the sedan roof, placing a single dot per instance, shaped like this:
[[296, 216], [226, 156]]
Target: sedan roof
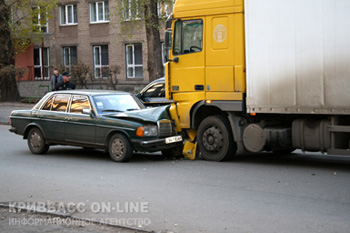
[[90, 92]]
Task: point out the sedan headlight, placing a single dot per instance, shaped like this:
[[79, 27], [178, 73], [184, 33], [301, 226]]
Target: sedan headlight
[[147, 131]]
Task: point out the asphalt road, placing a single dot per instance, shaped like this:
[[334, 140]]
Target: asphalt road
[[254, 193]]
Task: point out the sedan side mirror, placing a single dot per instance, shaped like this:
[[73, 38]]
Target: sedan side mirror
[[87, 111]]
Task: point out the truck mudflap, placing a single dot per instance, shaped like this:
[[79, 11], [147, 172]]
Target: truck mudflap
[[190, 145]]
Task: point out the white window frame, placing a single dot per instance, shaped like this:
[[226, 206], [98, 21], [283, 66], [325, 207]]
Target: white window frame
[[40, 66], [104, 18], [98, 74], [66, 14], [127, 10], [39, 24], [67, 64], [133, 65]]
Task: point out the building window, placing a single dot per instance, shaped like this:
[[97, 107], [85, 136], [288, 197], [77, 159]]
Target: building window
[[40, 19], [101, 61], [164, 8], [69, 57], [99, 12], [131, 9], [39, 61], [68, 15], [134, 65]]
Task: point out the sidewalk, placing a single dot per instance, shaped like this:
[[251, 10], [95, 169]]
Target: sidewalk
[[7, 107]]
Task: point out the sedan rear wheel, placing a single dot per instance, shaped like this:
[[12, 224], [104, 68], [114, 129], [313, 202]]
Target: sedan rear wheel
[[36, 142], [120, 149]]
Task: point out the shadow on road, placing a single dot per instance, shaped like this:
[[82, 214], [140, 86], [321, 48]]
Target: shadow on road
[[95, 154], [296, 159]]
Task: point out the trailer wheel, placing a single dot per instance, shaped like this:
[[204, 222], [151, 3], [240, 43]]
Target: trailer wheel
[[215, 139]]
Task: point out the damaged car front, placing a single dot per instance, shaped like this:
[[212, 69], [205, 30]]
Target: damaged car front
[[114, 121]]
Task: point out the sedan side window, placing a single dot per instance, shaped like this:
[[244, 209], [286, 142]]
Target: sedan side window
[[48, 104], [60, 103], [79, 102], [157, 90]]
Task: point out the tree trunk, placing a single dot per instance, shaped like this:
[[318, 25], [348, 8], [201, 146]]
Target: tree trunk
[[154, 64], [8, 83]]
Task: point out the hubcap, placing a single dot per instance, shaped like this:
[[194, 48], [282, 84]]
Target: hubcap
[[212, 139], [118, 148], [35, 140]]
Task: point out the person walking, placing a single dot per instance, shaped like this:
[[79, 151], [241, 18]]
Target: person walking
[[55, 78]]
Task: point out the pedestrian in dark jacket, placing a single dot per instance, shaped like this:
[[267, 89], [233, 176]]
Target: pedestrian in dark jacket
[[66, 84]]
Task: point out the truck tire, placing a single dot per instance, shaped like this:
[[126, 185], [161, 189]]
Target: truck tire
[[36, 142], [215, 139], [120, 149]]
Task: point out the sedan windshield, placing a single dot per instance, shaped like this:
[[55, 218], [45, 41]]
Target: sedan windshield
[[116, 103]]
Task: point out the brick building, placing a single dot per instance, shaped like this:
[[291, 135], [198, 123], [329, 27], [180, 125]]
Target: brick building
[[88, 32]]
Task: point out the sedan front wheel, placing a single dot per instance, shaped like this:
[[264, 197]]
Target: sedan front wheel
[[120, 149]]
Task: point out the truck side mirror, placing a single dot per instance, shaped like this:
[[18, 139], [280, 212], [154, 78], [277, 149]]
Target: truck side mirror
[[168, 39], [168, 43], [168, 23]]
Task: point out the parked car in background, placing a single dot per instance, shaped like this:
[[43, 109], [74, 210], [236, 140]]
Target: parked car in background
[[154, 93], [115, 121]]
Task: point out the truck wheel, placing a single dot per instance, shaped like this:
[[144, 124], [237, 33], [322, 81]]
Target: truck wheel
[[215, 139], [36, 142], [120, 149]]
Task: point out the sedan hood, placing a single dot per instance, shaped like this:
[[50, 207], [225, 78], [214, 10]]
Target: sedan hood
[[148, 114]]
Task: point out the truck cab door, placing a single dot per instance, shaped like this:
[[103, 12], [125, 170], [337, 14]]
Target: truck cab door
[[186, 72], [188, 58]]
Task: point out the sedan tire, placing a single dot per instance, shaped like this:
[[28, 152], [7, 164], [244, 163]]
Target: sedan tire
[[120, 149], [36, 142]]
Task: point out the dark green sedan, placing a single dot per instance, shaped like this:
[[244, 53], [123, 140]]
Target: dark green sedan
[[114, 121]]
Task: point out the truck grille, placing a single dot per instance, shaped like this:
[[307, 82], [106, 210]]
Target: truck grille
[[165, 128]]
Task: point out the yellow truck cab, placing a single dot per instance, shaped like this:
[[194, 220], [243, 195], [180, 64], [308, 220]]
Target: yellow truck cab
[[259, 76]]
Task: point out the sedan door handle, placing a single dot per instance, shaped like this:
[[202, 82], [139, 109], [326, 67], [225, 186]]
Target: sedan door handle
[[68, 119]]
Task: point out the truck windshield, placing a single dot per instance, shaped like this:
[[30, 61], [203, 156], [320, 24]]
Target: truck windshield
[[188, 36]]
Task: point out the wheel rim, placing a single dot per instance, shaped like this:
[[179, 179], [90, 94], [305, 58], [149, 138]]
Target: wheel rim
[[118, 148], [213, 139], [35, 140]]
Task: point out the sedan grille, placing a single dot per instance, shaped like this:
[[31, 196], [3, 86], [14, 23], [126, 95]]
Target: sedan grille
[[165, 128]]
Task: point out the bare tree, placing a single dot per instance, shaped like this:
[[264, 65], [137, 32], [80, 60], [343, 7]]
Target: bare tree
[[147, 10], [8, 83], [16, 24], [154, 61]]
